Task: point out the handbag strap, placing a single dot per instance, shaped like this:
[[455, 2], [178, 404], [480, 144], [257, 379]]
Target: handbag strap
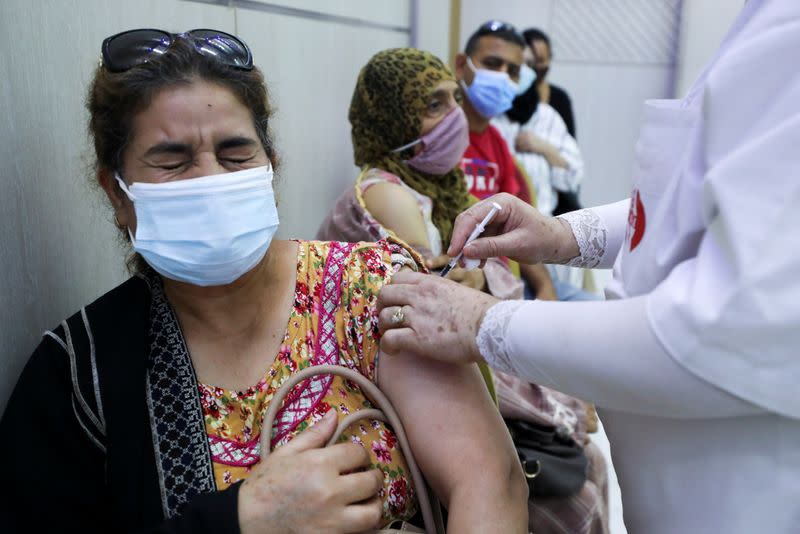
[[428, 504]]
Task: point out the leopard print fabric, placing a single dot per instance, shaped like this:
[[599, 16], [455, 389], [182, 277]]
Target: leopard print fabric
[[389, 101]]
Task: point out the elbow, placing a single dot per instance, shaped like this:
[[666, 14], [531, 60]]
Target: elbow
[[497, 492], [516, 487]]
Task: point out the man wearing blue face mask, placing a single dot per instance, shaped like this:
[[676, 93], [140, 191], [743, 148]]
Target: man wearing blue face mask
[[491, 72]]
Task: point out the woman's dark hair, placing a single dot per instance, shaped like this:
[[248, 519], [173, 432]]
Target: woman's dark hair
[[115, 98], [535, 34]]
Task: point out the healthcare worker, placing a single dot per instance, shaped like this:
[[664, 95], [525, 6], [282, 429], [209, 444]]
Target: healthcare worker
[[696, 362]]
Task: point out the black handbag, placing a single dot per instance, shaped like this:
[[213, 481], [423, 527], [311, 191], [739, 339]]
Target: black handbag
[[554, 464], [567, 201]]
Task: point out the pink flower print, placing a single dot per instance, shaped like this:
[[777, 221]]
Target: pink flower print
[[388, 439], [398, 494], [357, 440], [381, 452], [342, 393]]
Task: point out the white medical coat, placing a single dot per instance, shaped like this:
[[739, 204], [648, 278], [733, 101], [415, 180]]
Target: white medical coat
[[697, 365]]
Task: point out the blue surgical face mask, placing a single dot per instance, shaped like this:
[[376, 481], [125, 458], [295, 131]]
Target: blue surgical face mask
[[205, 231], [527, 77], [491, 93]]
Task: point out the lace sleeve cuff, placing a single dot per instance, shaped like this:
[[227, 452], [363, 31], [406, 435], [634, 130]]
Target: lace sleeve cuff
[[492, 336], [591, 234]]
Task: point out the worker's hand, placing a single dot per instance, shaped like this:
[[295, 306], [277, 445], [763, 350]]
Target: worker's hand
[[472, 278], [518, 231], [431, 317], [303, 488]]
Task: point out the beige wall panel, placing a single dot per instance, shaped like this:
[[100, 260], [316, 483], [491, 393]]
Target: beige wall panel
[[389, 12], [433, 28], [57, 242], [311, 69]]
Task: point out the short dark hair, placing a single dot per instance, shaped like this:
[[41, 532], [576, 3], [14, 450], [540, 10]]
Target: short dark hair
[[495, 28], [535, 34]]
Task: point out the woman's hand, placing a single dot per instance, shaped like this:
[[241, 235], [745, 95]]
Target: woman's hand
[[471, 278], [518, 231], [302, 488], [419, 311]]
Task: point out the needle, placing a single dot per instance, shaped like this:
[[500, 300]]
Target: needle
[[472, 237]]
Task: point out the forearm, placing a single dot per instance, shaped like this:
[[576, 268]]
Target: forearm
[[592, 237], [554, 157], [604, 352]]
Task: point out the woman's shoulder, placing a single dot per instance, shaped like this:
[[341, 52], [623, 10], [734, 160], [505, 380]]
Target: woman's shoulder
[[80, 355], [113, 309], [375, 175], [376, 185], [374, 261]]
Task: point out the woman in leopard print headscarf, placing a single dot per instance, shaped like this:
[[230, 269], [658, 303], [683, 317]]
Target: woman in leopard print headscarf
[[401, 95], [392, 95]]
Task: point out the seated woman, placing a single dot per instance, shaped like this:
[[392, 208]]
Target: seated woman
[[409, 135], [138, 411]]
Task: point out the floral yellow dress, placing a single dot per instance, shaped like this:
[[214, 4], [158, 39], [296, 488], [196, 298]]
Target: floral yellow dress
[[334, 320]]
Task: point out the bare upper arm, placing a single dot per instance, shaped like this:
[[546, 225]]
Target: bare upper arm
[[455, 430], [397, 210]]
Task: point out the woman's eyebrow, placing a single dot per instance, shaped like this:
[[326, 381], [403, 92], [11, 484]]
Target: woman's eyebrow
[[235, 142], [440, 93], [167, 147]]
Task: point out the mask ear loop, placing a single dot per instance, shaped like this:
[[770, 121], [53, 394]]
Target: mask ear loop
[[406, 146], [124, 186], [132, 197]]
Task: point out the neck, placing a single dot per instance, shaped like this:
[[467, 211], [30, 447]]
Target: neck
[[477, 122], [234, 310]]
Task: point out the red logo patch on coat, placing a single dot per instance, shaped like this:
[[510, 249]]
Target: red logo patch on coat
[[637, 222]]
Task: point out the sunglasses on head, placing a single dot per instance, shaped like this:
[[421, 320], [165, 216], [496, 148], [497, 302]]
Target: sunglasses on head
[[134, 47], [496, 26]]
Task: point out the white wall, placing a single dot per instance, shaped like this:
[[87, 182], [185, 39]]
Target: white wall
[[703, 25], [58, 248]]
